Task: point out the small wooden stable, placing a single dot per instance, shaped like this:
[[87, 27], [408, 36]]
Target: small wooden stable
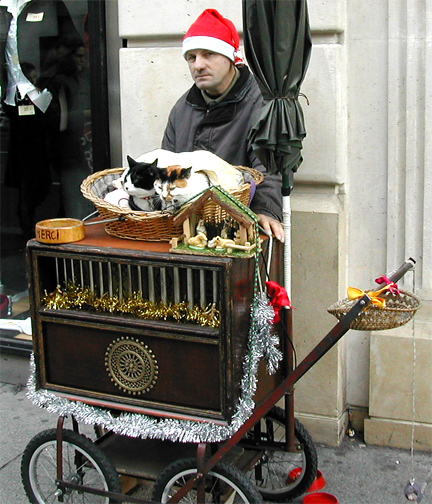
[[231, 209]]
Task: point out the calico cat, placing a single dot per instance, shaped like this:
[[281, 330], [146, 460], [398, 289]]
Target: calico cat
[[138, 181], [176, 185], [183, 175]]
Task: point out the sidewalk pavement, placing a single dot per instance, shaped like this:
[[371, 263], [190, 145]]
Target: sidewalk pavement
[[355, 473]]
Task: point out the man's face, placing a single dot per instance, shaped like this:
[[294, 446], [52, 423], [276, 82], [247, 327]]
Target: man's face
[[79, 58], [212, 72]]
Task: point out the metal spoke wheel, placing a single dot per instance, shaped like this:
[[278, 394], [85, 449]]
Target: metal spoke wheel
[[84, 463], [223, 484], [281, 475]]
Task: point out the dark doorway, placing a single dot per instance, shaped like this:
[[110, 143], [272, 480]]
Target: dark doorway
[[45, 152]]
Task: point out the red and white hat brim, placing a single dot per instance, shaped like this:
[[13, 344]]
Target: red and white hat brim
[[209, 43]]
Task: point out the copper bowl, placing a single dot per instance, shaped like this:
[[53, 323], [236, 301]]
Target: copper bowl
[[62, 230]]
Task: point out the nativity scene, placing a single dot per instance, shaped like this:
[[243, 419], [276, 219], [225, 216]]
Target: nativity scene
[[233, 233]]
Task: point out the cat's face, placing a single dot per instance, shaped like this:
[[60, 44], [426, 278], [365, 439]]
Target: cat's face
[[139, 179], [172, 186]]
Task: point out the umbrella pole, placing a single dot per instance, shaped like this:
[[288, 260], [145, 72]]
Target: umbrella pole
[[287, 324], [286, 214]]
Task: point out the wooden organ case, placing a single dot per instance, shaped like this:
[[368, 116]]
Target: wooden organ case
[[124, 362]]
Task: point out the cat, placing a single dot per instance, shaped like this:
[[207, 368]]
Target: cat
[[145, 187], [184, 175], [138, 181], [177, 185], [217, 170]]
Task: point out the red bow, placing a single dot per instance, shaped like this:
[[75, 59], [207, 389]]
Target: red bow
[[279, 297], [393, 288]]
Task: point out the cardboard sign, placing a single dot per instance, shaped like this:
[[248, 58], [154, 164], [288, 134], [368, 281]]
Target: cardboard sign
[[25, 110], [34, 17]]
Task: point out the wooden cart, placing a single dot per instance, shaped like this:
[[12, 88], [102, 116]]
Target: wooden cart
[[176, 375]]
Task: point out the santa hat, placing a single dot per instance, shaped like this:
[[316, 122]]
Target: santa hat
[[213, 32]]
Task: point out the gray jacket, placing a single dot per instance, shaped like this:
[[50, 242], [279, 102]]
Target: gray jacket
[[223, 129]]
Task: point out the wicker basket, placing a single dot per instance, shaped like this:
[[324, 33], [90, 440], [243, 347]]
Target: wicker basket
[[400, 309], [150, 226]]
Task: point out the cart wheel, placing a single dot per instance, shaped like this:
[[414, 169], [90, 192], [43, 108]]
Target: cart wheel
[[223, 484], [84, 463], [281, 476]]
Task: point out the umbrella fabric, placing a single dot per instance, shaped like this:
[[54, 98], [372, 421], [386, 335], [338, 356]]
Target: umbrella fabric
[[278, 44]]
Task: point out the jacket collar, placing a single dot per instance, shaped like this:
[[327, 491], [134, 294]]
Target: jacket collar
[[236, 94]]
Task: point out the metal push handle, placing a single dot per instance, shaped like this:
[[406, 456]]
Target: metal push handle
[[396, 275], [311, 359], [273, 397]]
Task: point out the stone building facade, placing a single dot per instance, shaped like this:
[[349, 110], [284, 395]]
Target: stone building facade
[[362, 198]]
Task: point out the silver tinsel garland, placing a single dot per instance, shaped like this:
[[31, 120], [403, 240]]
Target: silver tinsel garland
[[262, 344]]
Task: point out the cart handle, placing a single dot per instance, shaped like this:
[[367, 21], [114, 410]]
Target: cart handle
[[396, 275], [311, 359]]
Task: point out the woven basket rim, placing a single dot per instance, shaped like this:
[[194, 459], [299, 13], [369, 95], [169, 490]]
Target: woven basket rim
[[374, 318], [137, 215], [344, 305]]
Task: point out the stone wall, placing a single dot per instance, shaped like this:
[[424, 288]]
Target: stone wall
[[362, 197]]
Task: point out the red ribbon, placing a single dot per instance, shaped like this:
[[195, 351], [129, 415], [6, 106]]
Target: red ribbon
[[393, 288], [279, 298], [4, 305]]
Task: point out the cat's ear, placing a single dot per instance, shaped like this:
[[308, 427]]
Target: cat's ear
[[131, 162], [162, 174], [186, 172], [154, 164]]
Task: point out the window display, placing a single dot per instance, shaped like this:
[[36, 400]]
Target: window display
[[46, 119]]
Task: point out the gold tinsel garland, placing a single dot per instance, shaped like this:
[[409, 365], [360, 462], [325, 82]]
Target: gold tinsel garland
[[74, 297]]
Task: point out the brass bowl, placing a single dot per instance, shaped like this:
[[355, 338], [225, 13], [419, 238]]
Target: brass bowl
[[62, 230]]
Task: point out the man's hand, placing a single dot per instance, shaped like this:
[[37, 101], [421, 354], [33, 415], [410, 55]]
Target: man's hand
[[272, 226]]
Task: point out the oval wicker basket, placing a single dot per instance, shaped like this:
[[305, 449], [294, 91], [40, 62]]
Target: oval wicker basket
[[399, 310], [151, 226]]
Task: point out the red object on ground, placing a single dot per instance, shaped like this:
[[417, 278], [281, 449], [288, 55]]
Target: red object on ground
[[320, 498], [318, 484]]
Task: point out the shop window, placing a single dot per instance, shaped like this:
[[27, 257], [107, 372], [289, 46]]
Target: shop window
[[54, 92]]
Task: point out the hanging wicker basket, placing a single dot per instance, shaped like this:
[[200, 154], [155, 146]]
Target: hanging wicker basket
[[151, 226], [399, 309]]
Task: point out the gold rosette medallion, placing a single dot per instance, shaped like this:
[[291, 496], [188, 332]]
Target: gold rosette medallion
[[131, 365]]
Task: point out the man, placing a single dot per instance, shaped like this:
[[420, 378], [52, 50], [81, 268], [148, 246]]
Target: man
[[218, 111]]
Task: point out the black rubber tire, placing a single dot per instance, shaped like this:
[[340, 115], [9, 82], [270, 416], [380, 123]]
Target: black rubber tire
[[180, 471], [271, 474], [39, 468]]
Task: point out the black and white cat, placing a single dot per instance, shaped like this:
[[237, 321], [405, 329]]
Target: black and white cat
[[138, 181], [134, 189]]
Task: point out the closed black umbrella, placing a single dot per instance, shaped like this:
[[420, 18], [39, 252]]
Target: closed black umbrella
[[278, 44]]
